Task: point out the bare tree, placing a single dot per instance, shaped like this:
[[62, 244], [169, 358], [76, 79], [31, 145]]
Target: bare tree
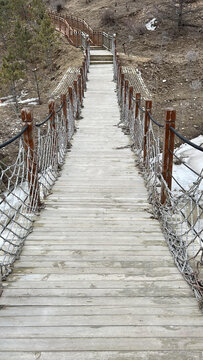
[[57, 5], [182, 12]]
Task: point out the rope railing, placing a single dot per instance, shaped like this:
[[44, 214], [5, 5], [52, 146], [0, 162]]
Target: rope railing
[[16, 137], [177, 204], [29, 177]]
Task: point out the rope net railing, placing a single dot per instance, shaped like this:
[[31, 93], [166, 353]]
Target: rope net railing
[[28, 178], [177, 203]]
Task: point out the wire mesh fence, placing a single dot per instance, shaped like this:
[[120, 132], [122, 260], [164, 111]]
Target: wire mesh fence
[[177, 205]]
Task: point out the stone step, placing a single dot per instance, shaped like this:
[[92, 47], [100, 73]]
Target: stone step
[[101, 62], [99, 57], [96, 48]]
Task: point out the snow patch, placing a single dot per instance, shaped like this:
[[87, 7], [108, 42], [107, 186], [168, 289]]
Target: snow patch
[[10, 101], [151, 25], [194, 159]]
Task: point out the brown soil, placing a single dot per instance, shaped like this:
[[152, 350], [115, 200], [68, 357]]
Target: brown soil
[[164, 54]]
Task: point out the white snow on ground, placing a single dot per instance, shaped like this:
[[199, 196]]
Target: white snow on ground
[[151, 25], [194, 159], [9, 101]]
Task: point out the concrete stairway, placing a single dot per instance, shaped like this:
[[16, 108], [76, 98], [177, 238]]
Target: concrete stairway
[[99, 56]]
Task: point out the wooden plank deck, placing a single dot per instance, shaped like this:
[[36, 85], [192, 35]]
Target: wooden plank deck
[[96, 280]]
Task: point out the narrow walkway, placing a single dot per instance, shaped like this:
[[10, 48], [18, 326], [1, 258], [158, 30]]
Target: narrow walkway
[[95, 280]]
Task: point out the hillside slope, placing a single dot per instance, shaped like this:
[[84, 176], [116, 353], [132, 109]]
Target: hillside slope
[[171, 60]]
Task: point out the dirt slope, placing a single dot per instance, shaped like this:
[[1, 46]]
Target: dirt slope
[[171, 61]]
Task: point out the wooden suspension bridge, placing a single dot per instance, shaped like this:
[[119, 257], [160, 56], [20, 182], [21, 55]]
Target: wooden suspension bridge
[[95, 279]]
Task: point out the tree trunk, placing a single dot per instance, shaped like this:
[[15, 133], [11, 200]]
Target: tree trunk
[[180, 14], [13, 90]]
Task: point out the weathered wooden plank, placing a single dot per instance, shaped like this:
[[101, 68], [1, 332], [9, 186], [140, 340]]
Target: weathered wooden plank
[[104, 355], [91, 255], [124, 332], [105, 284], [100, 344], [104, 320], [80, 274], [191, 310], [116, 266], [149, 248], [123, 292], [99, 301], [153, 254]]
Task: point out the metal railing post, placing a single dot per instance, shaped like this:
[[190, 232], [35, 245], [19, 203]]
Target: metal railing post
[[167, 161], [130, 97], [82, 82], [121, 87], [75, 85], [148, 109], [64, 102], [126, 90], [31, 164], [80, 88], [137, 104]]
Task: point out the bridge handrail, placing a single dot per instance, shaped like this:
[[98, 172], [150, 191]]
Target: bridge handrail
[[16, 137], [41, 151], [179, 206], [79, 32]]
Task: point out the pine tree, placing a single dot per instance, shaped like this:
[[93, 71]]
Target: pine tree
[[21, 42], [179, 11], [28, 36], [5, 21], [11, 71], [46, 39], [20, 8]]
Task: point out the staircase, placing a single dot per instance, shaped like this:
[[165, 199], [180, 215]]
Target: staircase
[[99, 56]]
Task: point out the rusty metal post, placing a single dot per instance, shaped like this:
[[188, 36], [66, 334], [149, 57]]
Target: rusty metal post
[[84, 70], [31, 162], [122, 86], [138, 100], [82, 82], [137, 104], [80, 88], [51, 105], [130, 96], [64, 102], [126, 90], [167, 161], [70, 91], [148, 110], [75, 84]]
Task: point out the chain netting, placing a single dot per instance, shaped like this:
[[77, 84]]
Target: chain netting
[[181, 214]]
